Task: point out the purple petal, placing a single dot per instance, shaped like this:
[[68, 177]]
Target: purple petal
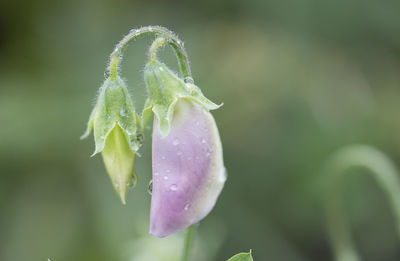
[[188, 170]]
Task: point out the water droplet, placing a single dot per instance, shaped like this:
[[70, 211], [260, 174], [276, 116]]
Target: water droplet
[[150, 187], [173, 187], [189, 80], [179, 153], [186, 207], [165, 177], [122, 112], [175, 142], [133, 181], [203, 140], [106, 73]]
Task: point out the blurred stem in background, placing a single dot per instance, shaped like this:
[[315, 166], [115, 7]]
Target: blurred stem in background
[[385, 173], [187, 244]]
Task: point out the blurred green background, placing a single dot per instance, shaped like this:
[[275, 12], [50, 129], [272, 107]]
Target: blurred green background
[[299, 79]]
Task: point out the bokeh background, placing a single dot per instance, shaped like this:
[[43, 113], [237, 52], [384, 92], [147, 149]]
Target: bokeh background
[[299, 80]]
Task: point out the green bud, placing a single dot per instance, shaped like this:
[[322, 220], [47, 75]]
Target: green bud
[[164, 89], [116, 133]]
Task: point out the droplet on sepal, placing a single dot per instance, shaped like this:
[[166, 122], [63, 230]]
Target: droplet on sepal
[[189, 80], [106, 73], [122, 112]]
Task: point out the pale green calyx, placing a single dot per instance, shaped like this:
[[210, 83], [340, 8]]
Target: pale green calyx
[[114, 107], [116, 132], [165, 88]]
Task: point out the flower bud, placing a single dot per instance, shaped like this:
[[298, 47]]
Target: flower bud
[[187, 161], [115, 132]]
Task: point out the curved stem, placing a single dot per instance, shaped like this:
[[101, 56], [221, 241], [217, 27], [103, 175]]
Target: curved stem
[[157, 43], [187, 243], [386, 175], [171, 38]]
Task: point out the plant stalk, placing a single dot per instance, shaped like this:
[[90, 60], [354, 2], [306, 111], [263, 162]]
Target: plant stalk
[[160, 31], [187, 244]]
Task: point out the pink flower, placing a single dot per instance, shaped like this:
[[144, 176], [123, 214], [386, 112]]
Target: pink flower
[[188, 169]]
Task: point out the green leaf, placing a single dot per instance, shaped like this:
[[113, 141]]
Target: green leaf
[[242, 257]]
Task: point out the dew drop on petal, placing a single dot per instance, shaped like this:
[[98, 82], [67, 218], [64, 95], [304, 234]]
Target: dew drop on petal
[[175, 142], [186, 207], [173, 187], [203, 140], [165, 177]]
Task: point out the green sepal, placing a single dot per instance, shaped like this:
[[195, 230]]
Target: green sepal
[[114, 107], [89, 124], [165, 88], [242, 257]]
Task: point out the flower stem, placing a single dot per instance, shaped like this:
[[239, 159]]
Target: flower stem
[[157, 43], [171, 39], [187, 244], [386, 175]]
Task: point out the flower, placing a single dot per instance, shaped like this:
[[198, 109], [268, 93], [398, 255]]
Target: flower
[[187, 161], [116, 133]]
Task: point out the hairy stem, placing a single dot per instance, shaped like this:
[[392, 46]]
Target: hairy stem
[[384, 172], [187, 244], [171, 39], [157, 43]]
